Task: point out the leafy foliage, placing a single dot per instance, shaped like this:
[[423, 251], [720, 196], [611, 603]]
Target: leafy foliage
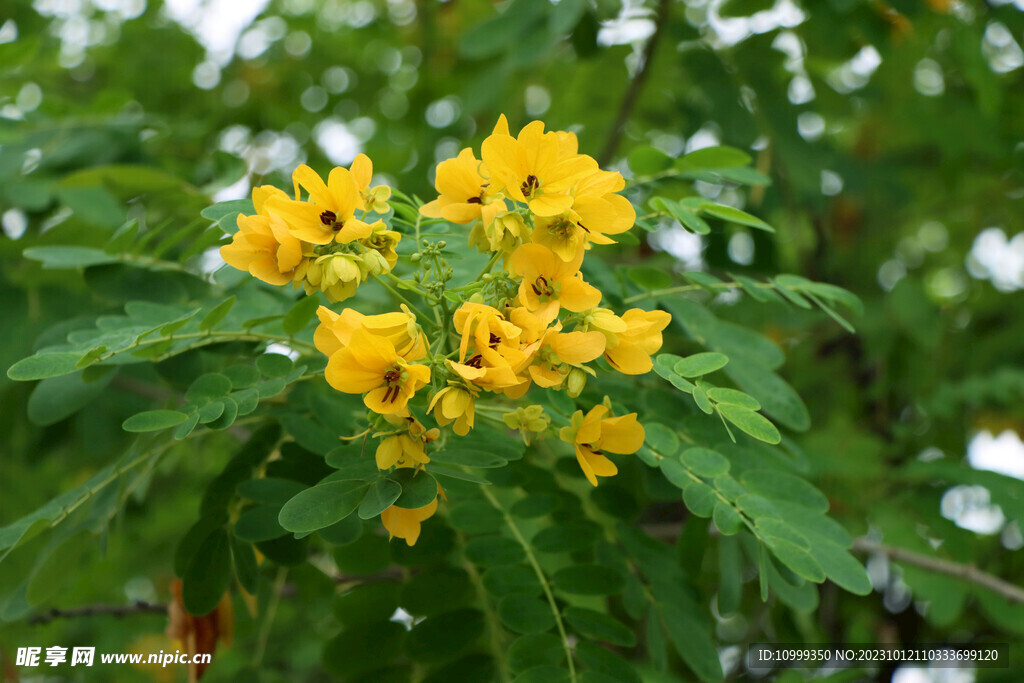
[[169, 434]]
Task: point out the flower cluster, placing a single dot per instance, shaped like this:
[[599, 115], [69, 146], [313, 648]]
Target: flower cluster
[[319, 243], [537, 206]]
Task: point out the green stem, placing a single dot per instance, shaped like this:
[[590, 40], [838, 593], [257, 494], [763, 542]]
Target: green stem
[[208, 337], [420, 315], [540, 577], [268, 619]]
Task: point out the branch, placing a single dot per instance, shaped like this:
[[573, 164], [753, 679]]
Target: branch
[[636, 85], [967, 572], [137, 607]]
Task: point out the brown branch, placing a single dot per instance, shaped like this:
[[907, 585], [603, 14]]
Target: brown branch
[[967, 572], [636, 85], [137, 607]]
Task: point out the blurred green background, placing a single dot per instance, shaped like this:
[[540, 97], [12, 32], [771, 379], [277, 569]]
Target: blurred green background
[[893, 134]]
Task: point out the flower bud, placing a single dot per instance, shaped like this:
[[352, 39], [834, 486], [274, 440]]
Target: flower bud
[[575, 382]]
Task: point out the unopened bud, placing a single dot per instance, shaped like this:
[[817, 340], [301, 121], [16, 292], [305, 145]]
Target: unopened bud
[[575, 382], [416, 257], [442, 244]]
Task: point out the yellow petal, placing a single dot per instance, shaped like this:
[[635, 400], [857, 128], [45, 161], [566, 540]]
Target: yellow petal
[[308, 179], [621, 435]]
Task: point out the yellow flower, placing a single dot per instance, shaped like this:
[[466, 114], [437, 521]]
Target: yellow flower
[[595, 434], [551, 358], [506, 232], [330, 215], [405, 523], [455, 403], [263, 247], [536, 168], [336, 275], [408, 449], [485, 326], [335, 331], [463, 189], [370, 365], [630, 351], [549, 283], [489, 352], [384, 242], [375, 199]]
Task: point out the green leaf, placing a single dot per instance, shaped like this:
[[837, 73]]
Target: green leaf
[[645, 161], [700, 397], [661, 438], [791, 295], [435, 591], [153, 420], [778, 399], [216, 314], [734, 215], [418, 488], [366, 603], [225, 214], [494, 551], [754, 424], [299, 315], [599, 626], [270, 490], [713, 158], [733, 397], [259, 523], [727, 519], [705, 280], [322, 505], [208, 386], [241, 376], [456, 454], [796, 558], [56, 398], [730, 573], [274, 364], [705, 462], [60, 257], [247, 571], [588, 579], [525, 614], [535, 505], [43, 365], [700, 498], [773, 484], [536, 650], [441, 637], [649, 278], [379, 497], [606, 662], [475, 517], [565, 537], [208, 575], [511, 580]]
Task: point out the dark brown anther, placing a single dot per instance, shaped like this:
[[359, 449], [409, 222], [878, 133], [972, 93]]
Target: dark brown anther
[[392, 376], [584, 227], [530, 185], [493, 340], [328, 217], [474, 200], [535, 289], [475, 362]]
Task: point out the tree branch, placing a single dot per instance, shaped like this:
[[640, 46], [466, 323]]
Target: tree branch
[[635, 86], [137, 607], [967, 572]]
